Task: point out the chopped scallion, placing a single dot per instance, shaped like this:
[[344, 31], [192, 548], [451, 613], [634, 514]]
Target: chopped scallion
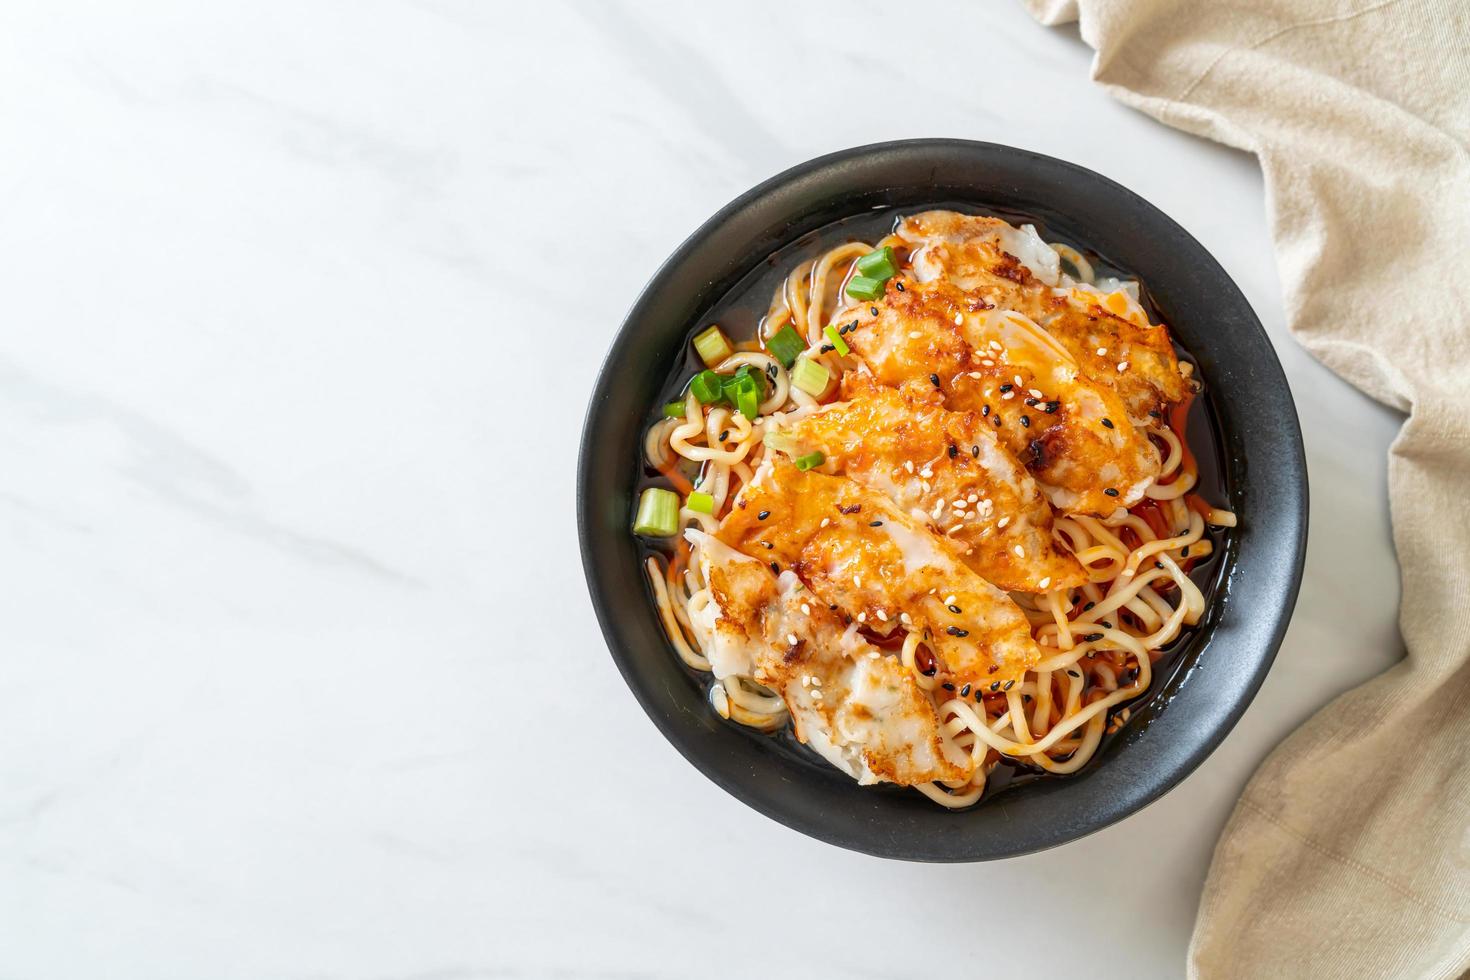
[[809, 460], [782, 442], [658, 513], [713, 347], [708, 387], [674, 410], [865, 287], [835, 339], [746, 397], [701, 502], [785, 345], [810, 376], [878, 264]]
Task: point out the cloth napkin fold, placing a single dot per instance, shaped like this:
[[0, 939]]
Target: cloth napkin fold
[[1349, 852]]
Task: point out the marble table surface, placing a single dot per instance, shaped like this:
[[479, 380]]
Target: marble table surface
[[299, 306]]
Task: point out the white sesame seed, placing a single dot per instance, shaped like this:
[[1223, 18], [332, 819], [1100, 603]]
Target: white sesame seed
[[905, 618], [1008, 396], [1003, 521], [976, 375], [1122, 366], [957, 527], [857, 581], [1034, 392], [874, 655], [806, 680], [862, 617], [959, 319], [949, 600], [791, 638], [816, 695], [1020, 551], [826, 521], [1044, 583], [882, 615], [914, 335], [816, 681], [924, 484], [974, 498], [995, 346], [908, 464], [934, 591], [958, 504], [1018, 380], [806, 610], [926, 473], [1102, 352], [938, 509], [987, 362]]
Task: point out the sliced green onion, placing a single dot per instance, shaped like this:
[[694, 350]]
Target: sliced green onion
[[674, 410], [712, 346], [658, 513], [865, 287], [785, 345], [878, 264], [809, 460], [810, 376], [835, 339], [746, 398], [701, 502], [782, 442], [708, 387]]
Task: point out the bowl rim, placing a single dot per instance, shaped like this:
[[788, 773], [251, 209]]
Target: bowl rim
[[1290, 501]]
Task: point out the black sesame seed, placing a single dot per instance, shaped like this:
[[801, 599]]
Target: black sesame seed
[[1006, 387], [833, 606], [1051, 407], [1009, 685], [953, 452], [898, 286], [1185, 552], [965, 691], [873, 310], [947, 686], [1111, 492], [1107, 423], [1092, 637], [1073, 673], [875, 524], [763, 515], [724, 435], [1025, 421], [997, 421], [1026, 698], [767, 545], [1088, 606], [825, 348], [1107, 624], [984, 411], [1158, 564], [975, 451], [934, 378], [995, 685], [956, 631], [775, 568], [978, 696], [1031, 403], [1153, 413], [955, 610]]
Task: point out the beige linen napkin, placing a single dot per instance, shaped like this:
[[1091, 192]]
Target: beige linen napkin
[[1349, 853]]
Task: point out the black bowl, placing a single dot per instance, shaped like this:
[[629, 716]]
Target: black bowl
[[1255, 422]]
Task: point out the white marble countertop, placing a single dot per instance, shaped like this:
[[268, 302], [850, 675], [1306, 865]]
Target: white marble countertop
[[299, 306]]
